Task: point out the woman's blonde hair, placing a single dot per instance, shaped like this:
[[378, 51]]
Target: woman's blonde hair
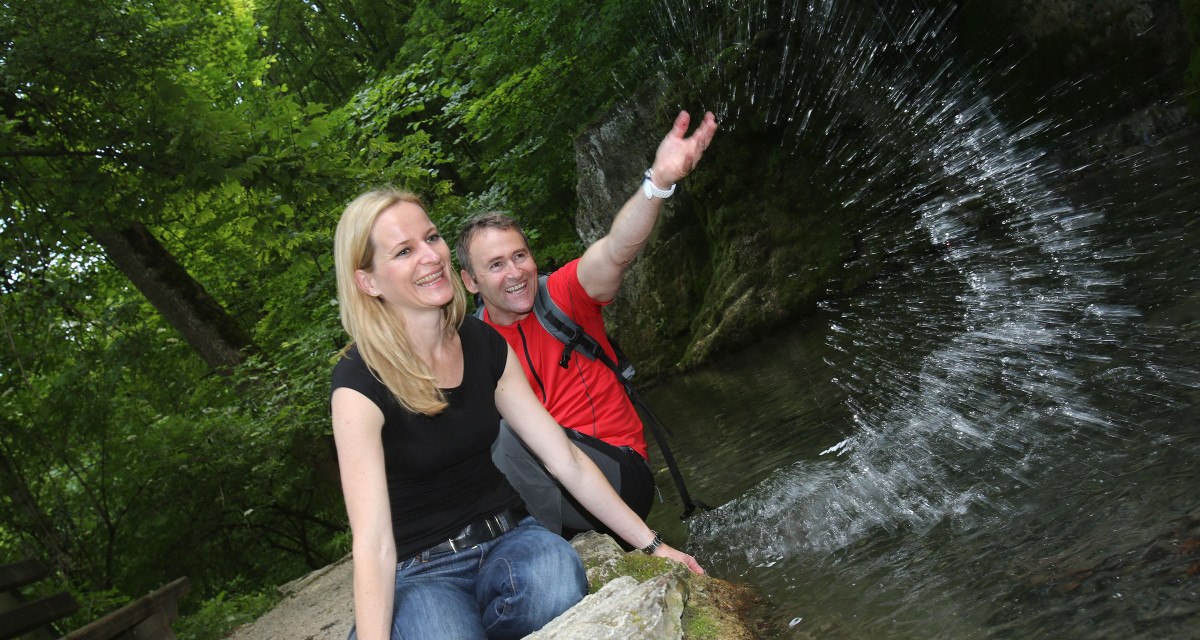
[[380, 334]]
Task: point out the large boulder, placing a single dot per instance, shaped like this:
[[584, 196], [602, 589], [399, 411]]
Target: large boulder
[[623, 609], [637, 597]]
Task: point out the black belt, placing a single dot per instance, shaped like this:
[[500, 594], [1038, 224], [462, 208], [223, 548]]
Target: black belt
[[479, 532]]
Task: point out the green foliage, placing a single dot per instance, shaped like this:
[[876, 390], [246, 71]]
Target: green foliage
[[122, 102], [217, 616], [324, 51], [92, 604], [518, 82]]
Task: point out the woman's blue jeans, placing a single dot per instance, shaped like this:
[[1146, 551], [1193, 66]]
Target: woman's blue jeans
[[505, 588]]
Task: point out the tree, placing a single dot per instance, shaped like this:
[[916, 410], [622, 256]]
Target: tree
[[112, 110], [326, 49]]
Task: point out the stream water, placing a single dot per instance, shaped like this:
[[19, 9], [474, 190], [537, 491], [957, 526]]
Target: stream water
[[996, 439]]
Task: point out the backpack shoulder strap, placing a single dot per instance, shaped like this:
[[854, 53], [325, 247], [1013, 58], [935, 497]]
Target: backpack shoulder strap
[[563, 328], [568, 332]]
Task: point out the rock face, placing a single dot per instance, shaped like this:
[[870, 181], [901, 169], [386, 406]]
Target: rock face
[[740, 249], [623, 610]]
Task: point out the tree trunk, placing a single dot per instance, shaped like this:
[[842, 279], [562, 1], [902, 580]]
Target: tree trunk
[[204, 323]]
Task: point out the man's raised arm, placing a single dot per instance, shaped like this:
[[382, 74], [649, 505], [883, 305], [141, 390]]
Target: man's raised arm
[[604, 263]]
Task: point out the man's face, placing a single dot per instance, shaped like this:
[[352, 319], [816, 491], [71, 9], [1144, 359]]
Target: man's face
[[505, 274]]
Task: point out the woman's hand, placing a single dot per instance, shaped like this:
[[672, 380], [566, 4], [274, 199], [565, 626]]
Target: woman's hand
[[665, 550]]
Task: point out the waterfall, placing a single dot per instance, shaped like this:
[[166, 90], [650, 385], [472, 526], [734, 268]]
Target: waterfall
[[1001, 368]]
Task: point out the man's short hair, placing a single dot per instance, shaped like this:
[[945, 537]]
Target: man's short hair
[[497, 220]]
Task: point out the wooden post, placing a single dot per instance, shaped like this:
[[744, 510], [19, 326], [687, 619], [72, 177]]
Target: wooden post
[[19, 616], [149, 617]]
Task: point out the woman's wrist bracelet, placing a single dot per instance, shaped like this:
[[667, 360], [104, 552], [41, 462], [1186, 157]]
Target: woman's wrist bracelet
[[654, 544]]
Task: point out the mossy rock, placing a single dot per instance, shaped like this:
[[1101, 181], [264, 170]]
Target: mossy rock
[[713, 608]]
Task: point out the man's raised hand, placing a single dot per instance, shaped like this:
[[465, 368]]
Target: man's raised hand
[[679, 153]]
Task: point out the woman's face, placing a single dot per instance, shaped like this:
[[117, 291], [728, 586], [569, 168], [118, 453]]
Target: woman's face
[[411, 267]]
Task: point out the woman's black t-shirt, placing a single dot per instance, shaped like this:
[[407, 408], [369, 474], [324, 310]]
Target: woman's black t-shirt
[[440, 475]]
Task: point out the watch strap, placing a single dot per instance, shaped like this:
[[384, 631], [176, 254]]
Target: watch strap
[[651, 190]]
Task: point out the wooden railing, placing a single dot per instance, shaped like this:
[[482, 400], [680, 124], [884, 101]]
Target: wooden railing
[[147, 618]]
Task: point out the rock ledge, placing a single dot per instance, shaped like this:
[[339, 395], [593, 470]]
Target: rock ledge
[[633, 597]]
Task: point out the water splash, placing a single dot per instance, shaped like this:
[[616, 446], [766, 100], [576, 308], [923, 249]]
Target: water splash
[[1021, 396], [901, 128]]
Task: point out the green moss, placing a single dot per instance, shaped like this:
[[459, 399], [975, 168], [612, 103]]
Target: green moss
[[638, 566], [700, 627]]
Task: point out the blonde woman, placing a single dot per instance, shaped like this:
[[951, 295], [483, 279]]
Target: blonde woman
[[443, 547]]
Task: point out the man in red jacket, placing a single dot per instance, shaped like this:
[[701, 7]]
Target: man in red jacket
[[586, 396]]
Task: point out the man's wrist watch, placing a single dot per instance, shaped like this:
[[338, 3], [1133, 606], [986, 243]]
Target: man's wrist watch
[[652, 191]]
